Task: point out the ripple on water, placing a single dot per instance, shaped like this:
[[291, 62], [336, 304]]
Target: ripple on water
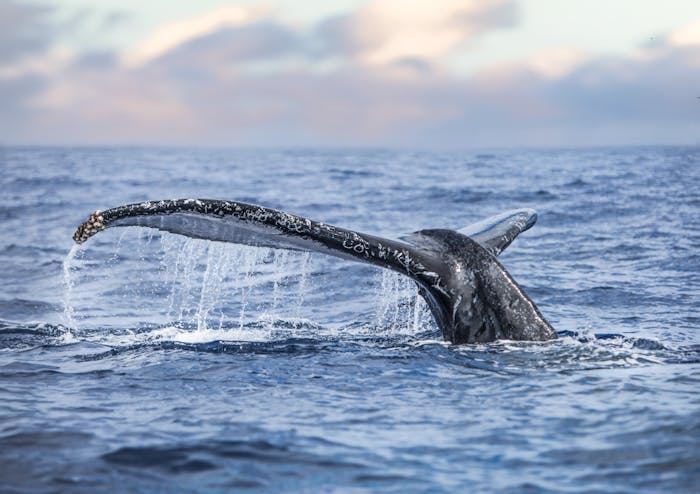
[[196, 366]]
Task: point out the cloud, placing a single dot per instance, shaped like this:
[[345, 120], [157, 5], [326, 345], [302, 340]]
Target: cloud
[[233, 48], [16, 94], [649, 98], [176, 33], [376, 76], [388, 31], [115, 20], [557, 63], [688, 35], [24, 30]]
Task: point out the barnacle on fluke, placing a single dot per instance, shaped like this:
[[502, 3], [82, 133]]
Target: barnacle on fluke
[[87, 229]]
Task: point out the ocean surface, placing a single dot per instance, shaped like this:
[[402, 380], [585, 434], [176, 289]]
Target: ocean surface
[[143, 361]]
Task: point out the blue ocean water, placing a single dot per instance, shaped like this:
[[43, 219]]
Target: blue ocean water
[[146, 362]]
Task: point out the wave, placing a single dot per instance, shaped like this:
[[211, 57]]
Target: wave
[[573, 351]]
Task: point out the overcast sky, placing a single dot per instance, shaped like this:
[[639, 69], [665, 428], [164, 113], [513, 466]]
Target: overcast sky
[[398, 73]]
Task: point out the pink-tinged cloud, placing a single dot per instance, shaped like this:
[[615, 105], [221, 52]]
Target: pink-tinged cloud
[[389, 31], [377, 76], [174, 34]]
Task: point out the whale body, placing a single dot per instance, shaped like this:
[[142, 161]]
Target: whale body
[[470, 294]]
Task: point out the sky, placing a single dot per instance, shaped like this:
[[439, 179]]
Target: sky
[[394, 73]]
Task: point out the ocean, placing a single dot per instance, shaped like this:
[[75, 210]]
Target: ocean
[[143, 361]]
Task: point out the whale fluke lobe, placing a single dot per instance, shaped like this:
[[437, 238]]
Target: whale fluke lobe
[[497, 233], [471, 295]]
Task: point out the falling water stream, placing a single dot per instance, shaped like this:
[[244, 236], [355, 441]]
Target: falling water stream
[[215, 291]]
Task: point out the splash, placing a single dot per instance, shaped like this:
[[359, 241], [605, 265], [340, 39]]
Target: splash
[[400, 308], [68, 285], [303, 267], [218, 287], [184, 289]]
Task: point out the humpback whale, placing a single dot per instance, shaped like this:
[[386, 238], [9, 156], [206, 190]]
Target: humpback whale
[[470, 294]]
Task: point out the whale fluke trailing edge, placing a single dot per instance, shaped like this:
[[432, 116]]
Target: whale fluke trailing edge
[[471, 295]]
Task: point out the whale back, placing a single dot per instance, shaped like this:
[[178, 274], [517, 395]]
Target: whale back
[[470, 294]]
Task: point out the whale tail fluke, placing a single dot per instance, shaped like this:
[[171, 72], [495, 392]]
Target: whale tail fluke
[[471, 295]]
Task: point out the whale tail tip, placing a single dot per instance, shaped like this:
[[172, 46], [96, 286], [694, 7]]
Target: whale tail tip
[[88, 228]]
